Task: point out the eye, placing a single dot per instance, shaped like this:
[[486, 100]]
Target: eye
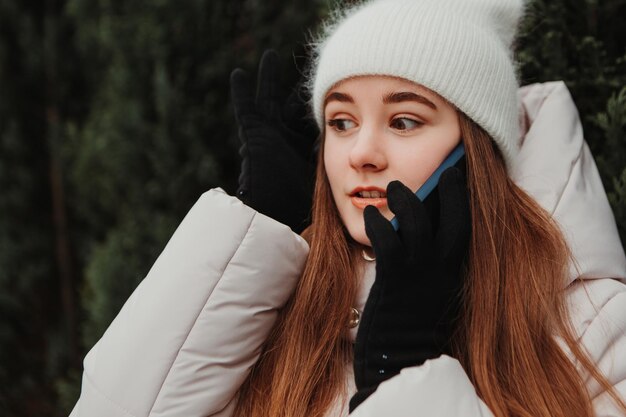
[[341, 125], [404, 123]]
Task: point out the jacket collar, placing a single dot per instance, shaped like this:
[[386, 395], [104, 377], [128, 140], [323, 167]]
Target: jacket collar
[[556, 168]]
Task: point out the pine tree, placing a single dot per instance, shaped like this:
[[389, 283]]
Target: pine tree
[[613, 159], [37, 310], [159, 129]]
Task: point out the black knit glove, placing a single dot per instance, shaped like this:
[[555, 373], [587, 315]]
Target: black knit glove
[[277, 146], [409, 314]]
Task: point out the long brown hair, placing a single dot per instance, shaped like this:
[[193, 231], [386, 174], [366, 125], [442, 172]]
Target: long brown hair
[[515, 298], [514, 306]]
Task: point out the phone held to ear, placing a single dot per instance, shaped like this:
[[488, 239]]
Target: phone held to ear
[[432, 181]]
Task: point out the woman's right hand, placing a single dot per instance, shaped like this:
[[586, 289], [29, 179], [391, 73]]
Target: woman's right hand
[[416, 295], [277, 146]]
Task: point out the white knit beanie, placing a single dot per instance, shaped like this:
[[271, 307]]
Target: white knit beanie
[[461, 49]]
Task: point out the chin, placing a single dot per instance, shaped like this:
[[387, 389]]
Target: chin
[[359, 235], [356, 228]]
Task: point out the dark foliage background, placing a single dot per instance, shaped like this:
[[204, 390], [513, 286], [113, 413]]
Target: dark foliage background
[[115, 116]]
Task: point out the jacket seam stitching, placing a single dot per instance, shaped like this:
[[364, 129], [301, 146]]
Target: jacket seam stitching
[[599, 311], [200, 311], [111, 402], [608, 347], [578, 159]]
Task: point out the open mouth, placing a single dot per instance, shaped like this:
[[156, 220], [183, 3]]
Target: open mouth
[[370, 194], [364, 198]]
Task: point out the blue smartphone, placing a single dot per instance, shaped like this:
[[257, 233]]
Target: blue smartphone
[[432, 181]]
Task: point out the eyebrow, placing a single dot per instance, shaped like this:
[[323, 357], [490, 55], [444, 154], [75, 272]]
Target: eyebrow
[[387, 99], [341, 97], [408, 96]]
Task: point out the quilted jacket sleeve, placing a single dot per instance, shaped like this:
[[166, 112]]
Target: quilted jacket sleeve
[[186, 338]]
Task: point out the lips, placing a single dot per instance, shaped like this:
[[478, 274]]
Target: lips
[[362, 197]]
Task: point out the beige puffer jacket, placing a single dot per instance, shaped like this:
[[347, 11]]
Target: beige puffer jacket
[[186, 338]]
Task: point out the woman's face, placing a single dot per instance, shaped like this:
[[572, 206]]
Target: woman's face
[[380, 129]]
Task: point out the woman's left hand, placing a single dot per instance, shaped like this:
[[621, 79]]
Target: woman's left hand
[[277, 146], [415, 298]]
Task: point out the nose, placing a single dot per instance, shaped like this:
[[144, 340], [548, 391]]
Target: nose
[[367, 153]]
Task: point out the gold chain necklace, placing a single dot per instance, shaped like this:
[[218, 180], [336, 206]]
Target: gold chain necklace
[[355, 315]]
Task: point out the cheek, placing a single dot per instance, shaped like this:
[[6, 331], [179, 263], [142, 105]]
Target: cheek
[[415, 166], [414, 170], [332, 164]]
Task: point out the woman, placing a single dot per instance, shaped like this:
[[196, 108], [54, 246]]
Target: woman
[[498, 295]]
